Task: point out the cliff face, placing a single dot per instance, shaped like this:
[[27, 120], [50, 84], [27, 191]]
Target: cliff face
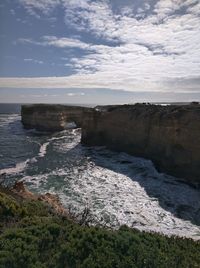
[[51, 117], [168, 135]]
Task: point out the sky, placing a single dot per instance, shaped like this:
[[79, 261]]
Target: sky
[[103, 51]]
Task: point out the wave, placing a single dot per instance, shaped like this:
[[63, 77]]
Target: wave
[[21, 166], [17, 169], [43, 149], [5, 119]]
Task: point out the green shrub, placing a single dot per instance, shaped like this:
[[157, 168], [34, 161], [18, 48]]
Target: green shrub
[[33, 237]]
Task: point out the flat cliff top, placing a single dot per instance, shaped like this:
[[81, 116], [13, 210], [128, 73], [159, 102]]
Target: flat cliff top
[[142, 109], [51, 107], [153, 107], [195, 107]]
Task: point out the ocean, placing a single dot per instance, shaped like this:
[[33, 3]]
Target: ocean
[[116, 187]]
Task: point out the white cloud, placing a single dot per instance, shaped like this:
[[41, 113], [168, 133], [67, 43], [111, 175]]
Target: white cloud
[[45, 6], [63, 42], [34, 61], [147, 6], [102, 80], [158, 52], [72, 94], [127, 11], [195, 9]]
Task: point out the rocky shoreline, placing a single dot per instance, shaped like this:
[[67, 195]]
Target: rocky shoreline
[[19, 191], [167, 135]]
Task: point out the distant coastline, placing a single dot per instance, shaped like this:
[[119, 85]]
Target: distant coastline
[[9, 108]]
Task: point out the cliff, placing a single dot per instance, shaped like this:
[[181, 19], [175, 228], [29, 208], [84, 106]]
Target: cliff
[[168, 135], [51, 117]]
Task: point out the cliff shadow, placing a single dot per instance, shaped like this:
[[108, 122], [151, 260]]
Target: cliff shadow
[[174, 195]]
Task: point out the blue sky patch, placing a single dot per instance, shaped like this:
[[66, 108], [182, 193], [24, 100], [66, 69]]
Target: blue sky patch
[[130, 46]]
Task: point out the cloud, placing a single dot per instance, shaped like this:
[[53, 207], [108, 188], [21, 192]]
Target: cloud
[[103, 80], [62, 42], [34, 61], [44, 6], [153, 45], [72, 94], [12, 11]]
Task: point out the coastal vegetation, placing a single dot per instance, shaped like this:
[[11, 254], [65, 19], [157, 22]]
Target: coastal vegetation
[[33, 235]]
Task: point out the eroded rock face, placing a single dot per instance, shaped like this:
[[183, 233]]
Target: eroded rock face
[[51, 117], [20, 190], [168, 135]]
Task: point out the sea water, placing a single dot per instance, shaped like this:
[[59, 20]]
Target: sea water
[[116, 187]]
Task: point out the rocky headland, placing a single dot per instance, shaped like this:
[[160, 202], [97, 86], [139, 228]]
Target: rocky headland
[[168, 135], [52, 117]]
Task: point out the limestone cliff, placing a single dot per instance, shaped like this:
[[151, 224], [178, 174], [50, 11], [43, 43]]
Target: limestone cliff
[[168, 135], [51, 117]]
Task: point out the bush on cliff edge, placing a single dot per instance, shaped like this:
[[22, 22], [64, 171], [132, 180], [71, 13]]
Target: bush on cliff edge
[[31, 236]]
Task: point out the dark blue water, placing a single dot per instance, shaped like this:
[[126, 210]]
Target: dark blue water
[[118, 188], [10, 108]]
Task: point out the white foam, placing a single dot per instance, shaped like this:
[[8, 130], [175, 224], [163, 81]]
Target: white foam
[[115, 197], [19, 167], [5, 119], [118, 188], [43, 149], [75, 138]]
